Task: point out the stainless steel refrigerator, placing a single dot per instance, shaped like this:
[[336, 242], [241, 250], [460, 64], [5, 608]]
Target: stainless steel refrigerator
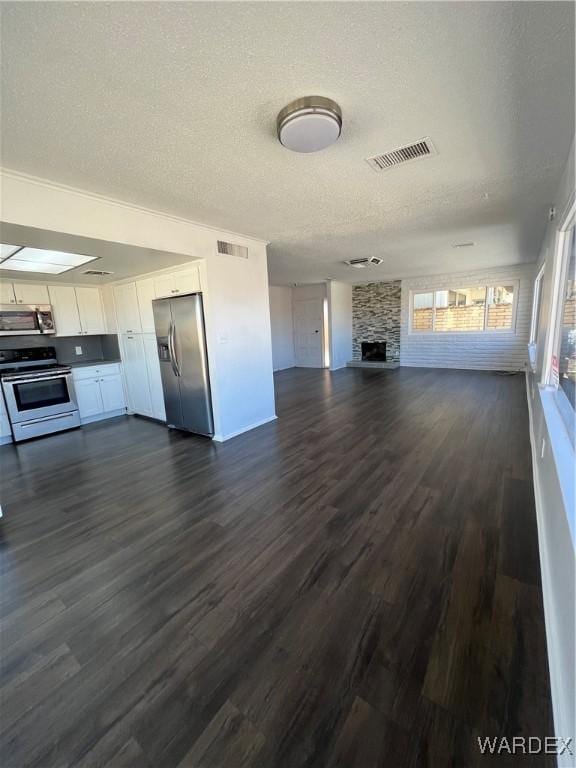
[[181, 343]]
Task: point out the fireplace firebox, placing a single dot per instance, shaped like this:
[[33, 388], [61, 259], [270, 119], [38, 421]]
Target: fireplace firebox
[[374, 351]]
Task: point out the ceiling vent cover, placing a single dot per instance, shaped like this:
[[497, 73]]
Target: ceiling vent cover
[[370, 261], [416, 151], [231, 249], [97, 272]]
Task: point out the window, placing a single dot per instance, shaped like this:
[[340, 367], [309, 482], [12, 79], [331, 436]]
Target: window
[[475, 308], [567, 326]]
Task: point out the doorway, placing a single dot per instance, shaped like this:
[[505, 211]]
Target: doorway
[[309, 333]]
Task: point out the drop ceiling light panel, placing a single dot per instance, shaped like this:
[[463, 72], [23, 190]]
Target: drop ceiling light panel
[[48, 262], [7, 250]]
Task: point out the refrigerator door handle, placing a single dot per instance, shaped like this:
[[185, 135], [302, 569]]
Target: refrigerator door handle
[[173, 357], [172, 351]]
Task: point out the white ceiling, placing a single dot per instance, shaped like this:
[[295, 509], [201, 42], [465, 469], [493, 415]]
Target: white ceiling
[[122, 260], [172, 106]]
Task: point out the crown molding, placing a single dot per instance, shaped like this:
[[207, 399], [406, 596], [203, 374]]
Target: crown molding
[[54, 185]]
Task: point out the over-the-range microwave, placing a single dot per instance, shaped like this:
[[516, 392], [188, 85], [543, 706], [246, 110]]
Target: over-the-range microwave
[[26, 319]]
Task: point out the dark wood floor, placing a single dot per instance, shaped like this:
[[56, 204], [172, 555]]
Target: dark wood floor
[[355, 585]]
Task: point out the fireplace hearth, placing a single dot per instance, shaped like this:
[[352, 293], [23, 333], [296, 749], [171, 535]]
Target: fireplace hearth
[[373, 351]]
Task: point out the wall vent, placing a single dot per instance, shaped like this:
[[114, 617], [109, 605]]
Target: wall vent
[[369, 261], [97, 272], [231, 249], [416, 151]]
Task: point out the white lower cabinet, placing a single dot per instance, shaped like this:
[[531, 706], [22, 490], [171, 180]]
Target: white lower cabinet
[[99, 391], [154, 376], [112, 393], [136, 373]]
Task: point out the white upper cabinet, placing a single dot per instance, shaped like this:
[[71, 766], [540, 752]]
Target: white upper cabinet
[[107, 292], [127, 310], [146, 291], [26, 293], [163, 286], [90, 310], [65, 307], [187, 281], [7, 293], [77, 311]]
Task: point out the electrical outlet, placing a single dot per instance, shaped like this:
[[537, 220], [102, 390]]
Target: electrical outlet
[[78, 350], [543, 448]]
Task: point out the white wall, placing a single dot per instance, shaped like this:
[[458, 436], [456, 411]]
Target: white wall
[[236, 302], [498, 350], [553, 461], [339, 323], [239, 341], [282, 323]]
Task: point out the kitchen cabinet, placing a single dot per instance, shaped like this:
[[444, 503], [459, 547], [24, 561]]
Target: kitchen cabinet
[[127, 310], [146, 292], [99, 391], [77, 311], [112, 393], [154, 376], [65, 307], [27, 293], [163, 286], [187, 281], [89, 398], [7, 295], [90, 310], [136, 373], [107, 293], [5, 431]]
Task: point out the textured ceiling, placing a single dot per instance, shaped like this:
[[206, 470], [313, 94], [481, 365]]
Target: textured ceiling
[[173, 105]]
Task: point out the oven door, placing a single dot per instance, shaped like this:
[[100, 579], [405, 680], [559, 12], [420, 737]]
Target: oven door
[[25, 320], [34, 397]]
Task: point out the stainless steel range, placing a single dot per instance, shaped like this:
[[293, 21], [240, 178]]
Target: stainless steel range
[[39, 393]]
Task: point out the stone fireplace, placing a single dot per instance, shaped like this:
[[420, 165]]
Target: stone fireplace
[[376, 320]]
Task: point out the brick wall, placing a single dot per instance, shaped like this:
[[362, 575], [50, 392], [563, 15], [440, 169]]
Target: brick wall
[[504, 350], [376, 311], [470, 318]]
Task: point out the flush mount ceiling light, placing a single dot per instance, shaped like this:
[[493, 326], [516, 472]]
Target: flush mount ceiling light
[[309, 124], [24, 259]]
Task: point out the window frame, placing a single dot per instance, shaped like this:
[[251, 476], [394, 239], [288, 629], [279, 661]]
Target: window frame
[[564, 233], [515, 282], [536, 307]]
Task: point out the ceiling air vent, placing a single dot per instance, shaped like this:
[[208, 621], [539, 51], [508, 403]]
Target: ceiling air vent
[[422, 148], [231, 249], [371, 261], [97, 272]]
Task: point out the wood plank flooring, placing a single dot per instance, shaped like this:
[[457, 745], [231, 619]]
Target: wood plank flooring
[[355, 585]]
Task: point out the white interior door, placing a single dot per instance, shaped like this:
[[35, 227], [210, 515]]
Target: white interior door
[[308, 333]]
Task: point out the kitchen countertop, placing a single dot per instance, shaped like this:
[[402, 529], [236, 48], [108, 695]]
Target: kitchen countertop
[[86, 363]]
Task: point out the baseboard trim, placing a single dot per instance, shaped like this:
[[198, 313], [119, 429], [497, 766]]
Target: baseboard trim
[[562, 725], [284, 367], [222, 438], [103, 416]]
